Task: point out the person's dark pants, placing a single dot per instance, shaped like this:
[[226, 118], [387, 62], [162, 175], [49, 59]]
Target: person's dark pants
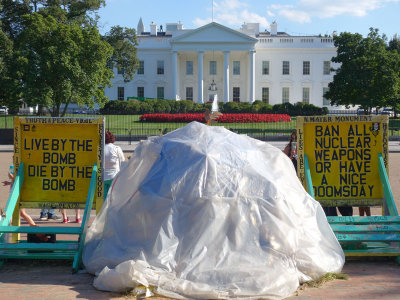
[[344, 211]]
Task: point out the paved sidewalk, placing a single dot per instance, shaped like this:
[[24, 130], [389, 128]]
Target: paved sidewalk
[[368, 279]]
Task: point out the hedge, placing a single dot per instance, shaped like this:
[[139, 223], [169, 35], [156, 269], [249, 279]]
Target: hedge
[[224, 118], [151, 106]]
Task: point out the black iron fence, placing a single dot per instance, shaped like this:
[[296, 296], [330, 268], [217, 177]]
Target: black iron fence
[[128, 127]]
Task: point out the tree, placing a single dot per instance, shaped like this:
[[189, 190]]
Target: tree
[[394, 44], [67, 11], [61, 63], [394, 102], [123, 41], [368, 74], [5, 53], [5, 59], [11, 13], [65, 62]]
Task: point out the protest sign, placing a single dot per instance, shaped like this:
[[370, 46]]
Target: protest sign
[[342, 152], [58, 156]]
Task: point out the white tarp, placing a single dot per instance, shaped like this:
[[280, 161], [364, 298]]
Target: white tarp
[[206, 213]]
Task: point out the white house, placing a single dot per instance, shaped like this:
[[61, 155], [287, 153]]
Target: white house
[[243, 65]]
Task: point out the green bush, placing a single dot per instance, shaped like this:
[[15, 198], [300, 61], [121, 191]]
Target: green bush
[[146, 108], [115, 107], [161, 106], [149, 106], [132, 107]]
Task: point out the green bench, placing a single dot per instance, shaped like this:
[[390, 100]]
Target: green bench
[[367, 236], [61, 249]]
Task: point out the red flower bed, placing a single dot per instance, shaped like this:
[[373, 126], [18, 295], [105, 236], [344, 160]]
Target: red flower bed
[[253, 118], [172, 118], [225, 118]]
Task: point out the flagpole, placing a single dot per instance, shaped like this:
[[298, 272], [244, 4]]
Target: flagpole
[[212, 10]]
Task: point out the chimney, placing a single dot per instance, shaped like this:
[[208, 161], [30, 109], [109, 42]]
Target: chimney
[[153, 28], [179, 26], [274, 28]]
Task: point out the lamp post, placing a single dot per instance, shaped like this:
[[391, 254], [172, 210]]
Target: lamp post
[[213, 86]]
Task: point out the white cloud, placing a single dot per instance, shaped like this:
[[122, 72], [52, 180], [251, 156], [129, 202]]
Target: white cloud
[[295, 15], [233, 13], [304, 10], [228, 5], [270, 14]]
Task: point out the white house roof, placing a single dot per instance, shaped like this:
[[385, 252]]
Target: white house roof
[[213, 36]]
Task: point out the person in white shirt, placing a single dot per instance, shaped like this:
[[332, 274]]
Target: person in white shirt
[[113, 157]]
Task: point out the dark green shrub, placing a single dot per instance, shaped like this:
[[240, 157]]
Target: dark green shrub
[[265, 108], [198, 108], [230, 107], [161, 106], [146, 108], [132, 107], [113, 108]]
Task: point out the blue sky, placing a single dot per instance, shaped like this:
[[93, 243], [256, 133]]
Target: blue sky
[[296, 17]]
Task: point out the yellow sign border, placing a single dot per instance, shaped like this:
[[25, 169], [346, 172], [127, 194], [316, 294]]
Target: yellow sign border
[[98, 121], [302, 121]]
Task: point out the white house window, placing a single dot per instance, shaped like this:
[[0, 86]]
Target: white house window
[[285, 95], [327, 67], [140, 70], [265, 67], [325, 101], [189, 93], [160, 67], [160, 92], [121, 93], [189, 67], [265, 95], [306, 67], [140, 91], [306, 95], [236, 68], [236, 94], [213, 67], [285, 67]]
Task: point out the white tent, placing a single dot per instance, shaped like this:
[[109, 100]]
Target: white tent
[[206, 213]]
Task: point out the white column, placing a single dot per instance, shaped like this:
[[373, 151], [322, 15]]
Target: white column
[[252, 73], [200, 76], [175, 75], [226, 76]]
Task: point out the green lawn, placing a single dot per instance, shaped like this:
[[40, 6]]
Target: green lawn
[[131, 125], [6, 121]]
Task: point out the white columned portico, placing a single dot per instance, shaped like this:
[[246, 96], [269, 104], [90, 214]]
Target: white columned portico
[[252, 73], [226, 76], [175, 75], [200, 76]]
